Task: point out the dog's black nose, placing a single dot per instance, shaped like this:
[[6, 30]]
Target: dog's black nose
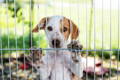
[[56, 43]]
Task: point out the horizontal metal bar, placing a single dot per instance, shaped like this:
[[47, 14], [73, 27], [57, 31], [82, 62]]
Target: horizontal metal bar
[[59, 49]]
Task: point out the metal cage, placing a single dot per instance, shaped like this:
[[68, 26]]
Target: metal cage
[[98, 22]]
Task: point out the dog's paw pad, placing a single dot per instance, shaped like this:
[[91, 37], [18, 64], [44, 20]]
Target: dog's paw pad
[[75, 45], [36, 53]]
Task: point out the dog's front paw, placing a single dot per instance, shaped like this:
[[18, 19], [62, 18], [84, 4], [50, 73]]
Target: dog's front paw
[[74, 46], [36, 54]]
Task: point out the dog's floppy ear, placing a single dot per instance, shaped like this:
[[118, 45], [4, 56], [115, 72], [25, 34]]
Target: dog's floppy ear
[[41, 24], [74, 31]]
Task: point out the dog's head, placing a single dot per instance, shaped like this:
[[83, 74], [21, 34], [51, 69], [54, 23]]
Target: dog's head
[[58, 29]]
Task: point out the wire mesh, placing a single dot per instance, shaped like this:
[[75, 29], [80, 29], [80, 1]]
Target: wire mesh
[[87, 13]]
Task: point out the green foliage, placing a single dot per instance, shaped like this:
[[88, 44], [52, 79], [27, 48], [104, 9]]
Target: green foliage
[[117, 54], [104, 54], [19, 42], [14, 7], [15, 42]]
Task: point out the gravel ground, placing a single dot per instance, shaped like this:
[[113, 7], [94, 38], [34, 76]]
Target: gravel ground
[[13, 71]]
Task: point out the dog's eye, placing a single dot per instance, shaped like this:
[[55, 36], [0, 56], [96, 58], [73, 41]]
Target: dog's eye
[[64, 29], [49, 28]]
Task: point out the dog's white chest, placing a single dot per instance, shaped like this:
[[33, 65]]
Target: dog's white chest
[[59, 66], [60, 72]]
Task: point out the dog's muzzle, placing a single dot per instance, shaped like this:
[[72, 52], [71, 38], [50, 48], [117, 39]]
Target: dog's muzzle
[[56, 43]]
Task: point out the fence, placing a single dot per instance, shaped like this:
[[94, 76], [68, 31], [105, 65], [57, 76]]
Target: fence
[[98, 22]]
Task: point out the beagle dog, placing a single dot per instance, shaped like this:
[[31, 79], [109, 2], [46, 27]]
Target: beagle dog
[[58, 64]]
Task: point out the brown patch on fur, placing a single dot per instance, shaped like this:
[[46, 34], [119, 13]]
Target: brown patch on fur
[[42, 23], [65, 23], [72, 29]]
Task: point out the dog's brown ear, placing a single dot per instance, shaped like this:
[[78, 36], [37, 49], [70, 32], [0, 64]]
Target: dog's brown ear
[[41, 24], [74, 31]]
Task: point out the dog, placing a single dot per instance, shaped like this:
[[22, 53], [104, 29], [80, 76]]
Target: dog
[[58, 64]]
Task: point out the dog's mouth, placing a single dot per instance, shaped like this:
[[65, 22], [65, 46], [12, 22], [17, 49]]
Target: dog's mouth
[[56, 43]]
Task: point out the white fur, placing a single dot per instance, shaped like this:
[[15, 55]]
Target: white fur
[[58, 64], [54, 22]]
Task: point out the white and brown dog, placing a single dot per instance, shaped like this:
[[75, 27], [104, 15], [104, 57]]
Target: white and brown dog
[[58, 64]]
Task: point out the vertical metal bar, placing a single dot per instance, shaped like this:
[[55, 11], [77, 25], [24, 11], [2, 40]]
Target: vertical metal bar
[[118, 54], [31, 22], [46, 50], [86, 42], [78, 68], [15, 35], [62, 31], [71, 29], [1, 53], [23, 27], [23, 34], [55, 59], [8, 35], [102, 36], [38, 32], [110, 41], [93, 4], [38, 18], [55, 48], [47, 63]]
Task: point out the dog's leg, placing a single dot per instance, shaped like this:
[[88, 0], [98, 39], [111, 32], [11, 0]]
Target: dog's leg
[[76, 61], [74, 48], [35, 57]]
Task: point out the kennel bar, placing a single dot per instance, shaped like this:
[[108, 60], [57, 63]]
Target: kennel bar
[[87, 50], [59, 49], [118, 38]]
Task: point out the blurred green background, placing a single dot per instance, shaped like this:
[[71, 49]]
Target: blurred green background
[[98, 22]]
